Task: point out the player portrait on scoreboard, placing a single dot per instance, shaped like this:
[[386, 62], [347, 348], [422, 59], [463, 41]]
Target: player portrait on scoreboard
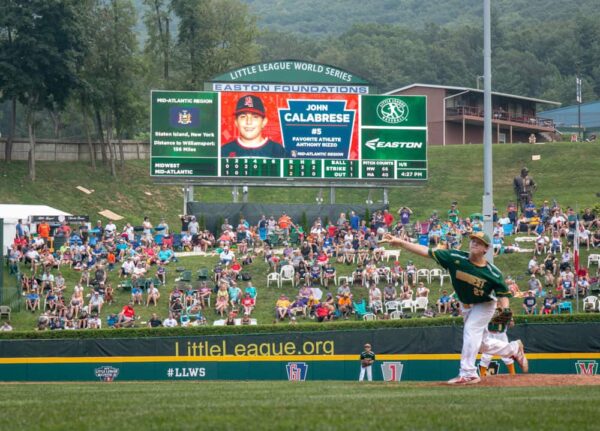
[[251, 141]]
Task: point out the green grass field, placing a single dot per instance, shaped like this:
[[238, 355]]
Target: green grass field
[[294, 406]]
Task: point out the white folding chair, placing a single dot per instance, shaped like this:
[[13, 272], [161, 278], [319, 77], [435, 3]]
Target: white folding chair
[[590, 303], [287, 273], [445, 274], [395, 315], [420, 304], [593, 258], [407, 304], [435, 272], [344, 278], [391, 306], [369, 316], [423, 273], [274, 277]]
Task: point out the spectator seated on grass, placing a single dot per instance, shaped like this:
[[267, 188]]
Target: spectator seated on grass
[[329, 275], [422, 290], [529, 303], [166, 255], [389, 293], [248, 304], [126, 316], [152, 296], [513, 287], [94, 322], [204, 294], [170, 322], [344, 305], [534, 285], [375, 298], [315, 273], [302, 273], [406, 293], [32, 300], [550, 303], [176, 308], [323, 312], [222, 301], [533, 267], [443, 303], [282, 306], [96, 303], [235, 295]]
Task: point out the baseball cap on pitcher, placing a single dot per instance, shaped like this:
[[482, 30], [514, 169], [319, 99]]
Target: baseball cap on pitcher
[[250, 103], [483, 237]]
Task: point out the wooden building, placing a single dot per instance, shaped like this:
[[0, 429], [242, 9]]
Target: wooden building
[[455, 115]]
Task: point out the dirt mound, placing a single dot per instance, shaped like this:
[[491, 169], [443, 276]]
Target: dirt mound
[[527, 380]]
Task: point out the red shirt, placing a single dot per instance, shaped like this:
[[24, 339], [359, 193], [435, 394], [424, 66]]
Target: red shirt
[[388, 219], [128, 311]]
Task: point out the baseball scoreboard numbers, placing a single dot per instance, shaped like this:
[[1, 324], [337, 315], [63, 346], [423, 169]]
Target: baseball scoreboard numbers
[[340, 138]]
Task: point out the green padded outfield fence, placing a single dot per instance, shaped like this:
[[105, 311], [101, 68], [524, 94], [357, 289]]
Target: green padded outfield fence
[[429, 353]]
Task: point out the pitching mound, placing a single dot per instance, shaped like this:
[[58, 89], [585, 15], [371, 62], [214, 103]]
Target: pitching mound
[[520, 380]]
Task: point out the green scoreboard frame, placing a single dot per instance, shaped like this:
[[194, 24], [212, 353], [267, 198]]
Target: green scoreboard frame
[[383, 142]]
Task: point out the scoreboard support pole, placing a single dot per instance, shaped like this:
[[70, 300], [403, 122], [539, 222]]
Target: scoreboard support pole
[[386, 199], [332, 195], [188, 196]]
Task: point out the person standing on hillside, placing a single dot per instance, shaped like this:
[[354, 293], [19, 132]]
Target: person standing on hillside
[[480, 287]]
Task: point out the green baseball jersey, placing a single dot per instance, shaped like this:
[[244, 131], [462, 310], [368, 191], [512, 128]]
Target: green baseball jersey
[[367, 355], [473, 284]]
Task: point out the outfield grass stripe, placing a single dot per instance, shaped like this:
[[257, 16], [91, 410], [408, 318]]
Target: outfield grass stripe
[[274, 358]]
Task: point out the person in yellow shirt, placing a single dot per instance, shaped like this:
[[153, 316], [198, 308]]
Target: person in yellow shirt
[[282, 307], [345, 305]]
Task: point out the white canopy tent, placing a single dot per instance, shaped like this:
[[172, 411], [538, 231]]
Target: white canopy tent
[[12, 213]]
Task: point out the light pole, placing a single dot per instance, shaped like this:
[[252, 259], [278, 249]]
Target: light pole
[[479, 77], [578, 84], [444, 115], [488, 197]]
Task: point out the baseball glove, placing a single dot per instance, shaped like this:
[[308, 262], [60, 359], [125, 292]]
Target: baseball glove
[[502, 317], [366, 362]]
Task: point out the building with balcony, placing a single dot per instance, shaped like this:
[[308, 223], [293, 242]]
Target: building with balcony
[[455, 115]]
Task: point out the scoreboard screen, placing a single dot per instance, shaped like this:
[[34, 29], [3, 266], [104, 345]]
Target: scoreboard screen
[[309, 139]]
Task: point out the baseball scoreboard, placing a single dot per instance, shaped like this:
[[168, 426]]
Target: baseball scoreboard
[[302, 138]]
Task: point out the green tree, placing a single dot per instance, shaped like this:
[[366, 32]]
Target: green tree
[[213, 36], [112, 71], [158, 19], [44, 45]]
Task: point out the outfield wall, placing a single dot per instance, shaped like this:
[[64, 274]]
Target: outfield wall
[[430, 353]]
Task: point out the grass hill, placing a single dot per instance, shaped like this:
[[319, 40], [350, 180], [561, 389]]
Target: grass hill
[[565, 172]]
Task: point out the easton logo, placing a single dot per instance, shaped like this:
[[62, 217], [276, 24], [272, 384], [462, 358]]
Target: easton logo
[[106, 373], [587, 368], [296, 371], [374, 144]]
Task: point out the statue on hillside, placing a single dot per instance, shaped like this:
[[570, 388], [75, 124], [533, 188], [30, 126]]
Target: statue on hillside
[[524, 187]]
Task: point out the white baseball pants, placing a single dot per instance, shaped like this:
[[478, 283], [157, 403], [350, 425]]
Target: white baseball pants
[[476, 338], [369, 371], [486, 358]]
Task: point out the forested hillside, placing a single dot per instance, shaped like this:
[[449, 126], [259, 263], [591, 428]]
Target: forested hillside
[[318, 17]]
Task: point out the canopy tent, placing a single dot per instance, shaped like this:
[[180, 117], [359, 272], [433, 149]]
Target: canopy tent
[[12, 213]]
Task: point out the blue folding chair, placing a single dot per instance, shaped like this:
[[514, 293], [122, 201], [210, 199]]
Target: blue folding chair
[[564, 307]]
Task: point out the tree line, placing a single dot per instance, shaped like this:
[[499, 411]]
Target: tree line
[[85, 68]]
